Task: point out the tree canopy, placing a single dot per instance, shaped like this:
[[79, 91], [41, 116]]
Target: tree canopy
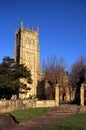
[[10, 74]]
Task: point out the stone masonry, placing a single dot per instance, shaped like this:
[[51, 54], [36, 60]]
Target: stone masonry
[[27, 52]]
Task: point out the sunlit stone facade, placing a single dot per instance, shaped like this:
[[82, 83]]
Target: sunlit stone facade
[[27, 52]]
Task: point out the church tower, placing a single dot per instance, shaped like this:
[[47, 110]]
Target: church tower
[[27, 52]]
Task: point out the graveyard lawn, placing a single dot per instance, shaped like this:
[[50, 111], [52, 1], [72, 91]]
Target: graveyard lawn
[[75, 122], [22, 115]]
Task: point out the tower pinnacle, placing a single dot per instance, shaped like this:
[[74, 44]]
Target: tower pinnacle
[[37, 27], [21, 25]]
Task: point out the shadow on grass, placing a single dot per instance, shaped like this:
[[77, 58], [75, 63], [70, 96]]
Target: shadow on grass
[[14, 119]]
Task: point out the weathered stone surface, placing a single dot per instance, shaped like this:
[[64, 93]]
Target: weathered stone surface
[[27, 52], [10, 105]]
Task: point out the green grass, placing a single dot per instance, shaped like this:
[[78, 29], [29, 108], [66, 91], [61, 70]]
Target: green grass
[[22, 115], [75, 122]]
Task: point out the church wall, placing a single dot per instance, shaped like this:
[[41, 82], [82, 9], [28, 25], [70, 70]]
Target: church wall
[[27, 53]]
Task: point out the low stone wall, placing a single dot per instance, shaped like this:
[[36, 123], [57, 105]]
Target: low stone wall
[[13, 104], [10, 105], [45, 103]]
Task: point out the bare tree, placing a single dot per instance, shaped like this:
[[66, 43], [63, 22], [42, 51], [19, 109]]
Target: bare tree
[[78, 71], [54, 69], [77, 76]]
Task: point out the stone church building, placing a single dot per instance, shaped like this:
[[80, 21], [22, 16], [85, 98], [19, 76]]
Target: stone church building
[[27, 52]]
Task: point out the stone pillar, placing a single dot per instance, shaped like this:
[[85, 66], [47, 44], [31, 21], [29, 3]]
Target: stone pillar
[[82, 95], [56, 95], [67, 96]]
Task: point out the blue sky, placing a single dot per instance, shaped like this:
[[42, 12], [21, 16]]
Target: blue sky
[[62, 26]]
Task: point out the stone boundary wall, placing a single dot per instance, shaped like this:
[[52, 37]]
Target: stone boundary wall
[[10, 105], [45, 103]]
